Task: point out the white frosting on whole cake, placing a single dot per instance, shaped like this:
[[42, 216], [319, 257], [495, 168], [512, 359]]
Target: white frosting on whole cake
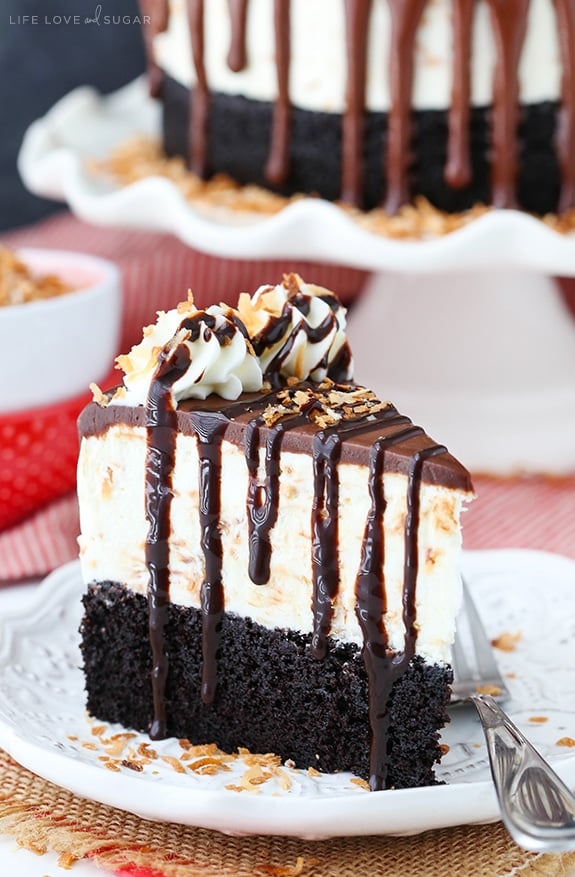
[[318, 54]]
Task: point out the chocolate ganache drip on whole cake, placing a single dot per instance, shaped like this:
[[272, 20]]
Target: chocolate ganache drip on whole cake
[[282, 362], [508, 32]]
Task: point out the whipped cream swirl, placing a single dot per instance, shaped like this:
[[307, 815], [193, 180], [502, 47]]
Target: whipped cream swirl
[[297, 330], [222, 360], [292, 330]]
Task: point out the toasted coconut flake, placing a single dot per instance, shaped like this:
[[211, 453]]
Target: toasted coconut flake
[[209, 764], [20, 285], [145, 751], [493, 690], [132, 765], [506, 642], [98, 396], [174, 763], [142, 157], [284, 779], [357, 781]]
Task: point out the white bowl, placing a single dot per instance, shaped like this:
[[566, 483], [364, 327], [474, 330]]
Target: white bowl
[[51, 349]]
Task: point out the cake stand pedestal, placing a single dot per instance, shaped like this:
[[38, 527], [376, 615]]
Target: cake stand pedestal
[[485, 360], [465, 332]]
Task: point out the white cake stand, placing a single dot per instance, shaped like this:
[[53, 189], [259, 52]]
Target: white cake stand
[[467, 333]]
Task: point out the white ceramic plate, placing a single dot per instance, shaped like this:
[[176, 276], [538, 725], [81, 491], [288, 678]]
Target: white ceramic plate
[[42, 711], [85, 125]]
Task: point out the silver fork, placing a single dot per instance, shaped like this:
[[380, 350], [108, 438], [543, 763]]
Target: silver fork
[[536, 806], [475, 669]]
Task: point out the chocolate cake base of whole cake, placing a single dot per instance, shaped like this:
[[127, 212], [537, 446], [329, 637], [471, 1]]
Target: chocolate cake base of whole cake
[[239, 143], [272, 695]]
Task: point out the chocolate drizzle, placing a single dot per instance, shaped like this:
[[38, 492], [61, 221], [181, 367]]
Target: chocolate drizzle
[[458, 167], [300, 407], [200, 98], [156, 16], [509, 24], [566, 121], [262, 502], [357, 14], [277, 167], [405, 17], [160, 458], [278, 328], [371, 607], [237, 58], [209, 432], [509, 19]]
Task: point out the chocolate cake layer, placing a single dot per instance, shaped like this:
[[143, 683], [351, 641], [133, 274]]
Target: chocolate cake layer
[[239, 142], [271, 696]]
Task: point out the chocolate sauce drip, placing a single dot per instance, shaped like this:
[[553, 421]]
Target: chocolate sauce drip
[[509, 18], [262, 502], [324, 522], [381, 667], [277, 166], [276, 329], [326, 454], [155, 14], [203, 322], [411, 542], [209, 431], [458, 168], [160, 459], [566, 121], [200, 95], [237, 58], [339, 368], [405, 17], [357, 14]]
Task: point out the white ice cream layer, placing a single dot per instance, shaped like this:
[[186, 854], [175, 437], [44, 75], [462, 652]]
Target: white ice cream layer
[[111, 487], [318, 54]]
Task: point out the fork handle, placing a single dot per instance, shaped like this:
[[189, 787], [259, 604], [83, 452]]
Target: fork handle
[[537, 808]]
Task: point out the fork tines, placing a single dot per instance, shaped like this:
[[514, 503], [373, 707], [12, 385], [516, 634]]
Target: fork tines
[[475, 669]]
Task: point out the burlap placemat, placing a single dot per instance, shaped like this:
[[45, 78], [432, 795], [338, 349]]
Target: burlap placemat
[[42, 816]]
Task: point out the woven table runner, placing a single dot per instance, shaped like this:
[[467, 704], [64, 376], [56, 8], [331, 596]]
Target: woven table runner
[[42, 816]]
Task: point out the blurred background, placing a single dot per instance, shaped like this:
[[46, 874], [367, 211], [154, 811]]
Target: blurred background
[[40, 63]]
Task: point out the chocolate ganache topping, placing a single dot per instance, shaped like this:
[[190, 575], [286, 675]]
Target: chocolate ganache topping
[[509, 25], [331, 419]]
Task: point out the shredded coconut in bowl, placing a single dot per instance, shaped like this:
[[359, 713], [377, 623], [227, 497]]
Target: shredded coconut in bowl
[[19, 285]]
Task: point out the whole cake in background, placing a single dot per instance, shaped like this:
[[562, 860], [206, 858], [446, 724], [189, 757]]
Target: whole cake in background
[[373, 101], [270, 553]]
